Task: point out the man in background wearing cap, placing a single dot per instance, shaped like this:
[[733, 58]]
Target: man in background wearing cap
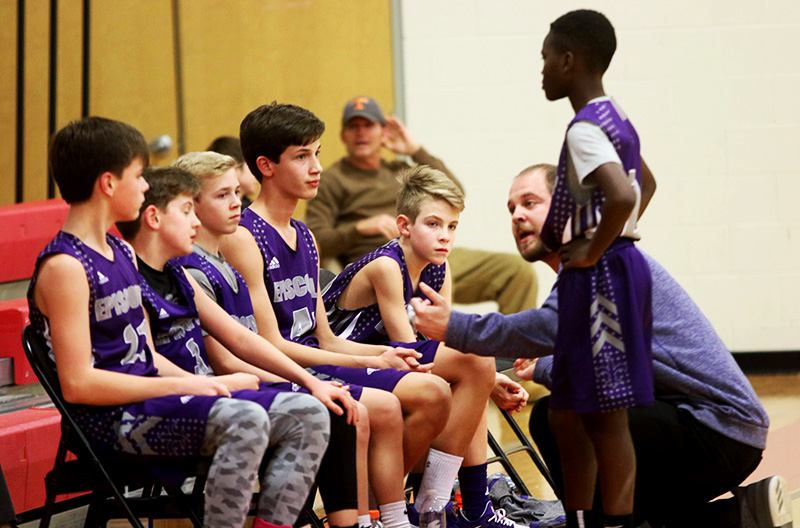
[[355, 212]]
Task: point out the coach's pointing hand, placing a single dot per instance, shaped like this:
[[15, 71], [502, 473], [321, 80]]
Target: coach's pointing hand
[[431, 315]]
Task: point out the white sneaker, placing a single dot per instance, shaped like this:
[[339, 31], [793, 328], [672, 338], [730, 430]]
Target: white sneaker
[[765, 504]]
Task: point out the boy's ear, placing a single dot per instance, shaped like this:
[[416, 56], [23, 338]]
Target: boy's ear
[[107, 182], [265, 166], [568, 61], [403, 223], [151, 217]]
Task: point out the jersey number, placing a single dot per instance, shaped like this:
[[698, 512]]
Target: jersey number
[[200, 366], [302, 322], [131, 337]]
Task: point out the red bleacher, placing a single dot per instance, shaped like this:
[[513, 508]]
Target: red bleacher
[[24, 231], [30, 441], [29, 438]]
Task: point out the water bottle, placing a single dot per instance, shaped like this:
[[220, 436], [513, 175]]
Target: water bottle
[[432, 512], [375, 519]]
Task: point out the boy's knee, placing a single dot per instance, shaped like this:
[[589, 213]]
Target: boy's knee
[[363, 424], [430, 391], [232, 420], [481, 369], [385, 410], [438, 392], [563, 421], [254, 416]]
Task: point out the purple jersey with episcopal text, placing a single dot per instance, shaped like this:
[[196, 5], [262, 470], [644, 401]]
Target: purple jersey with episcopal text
[[116, 318], [236, 303], [291, 279], [290, 275], [169, 425], [176, 326], [365, 325], [586, 216]]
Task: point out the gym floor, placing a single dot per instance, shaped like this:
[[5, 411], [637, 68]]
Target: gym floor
[[780, 395]]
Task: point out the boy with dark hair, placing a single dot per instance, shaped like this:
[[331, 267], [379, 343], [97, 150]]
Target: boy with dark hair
[[86, 302], [298, 423], [277, 257], [602, 360], [287, 314], [217, 207], [369, 303]]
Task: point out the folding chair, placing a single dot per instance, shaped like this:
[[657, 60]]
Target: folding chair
[[105, 479], [502, 457]]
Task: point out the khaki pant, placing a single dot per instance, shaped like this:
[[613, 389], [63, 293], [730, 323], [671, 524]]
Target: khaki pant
[[505, 278]]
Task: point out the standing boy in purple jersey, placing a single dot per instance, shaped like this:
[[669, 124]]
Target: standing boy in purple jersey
[[602, 359], [217, 206], [86, 302]]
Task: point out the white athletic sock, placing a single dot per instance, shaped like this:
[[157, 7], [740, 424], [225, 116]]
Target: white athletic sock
[[364, 521], [441, 470], [394, 515]]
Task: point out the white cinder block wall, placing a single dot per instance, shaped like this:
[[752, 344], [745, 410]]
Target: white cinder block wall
[[712, 88]]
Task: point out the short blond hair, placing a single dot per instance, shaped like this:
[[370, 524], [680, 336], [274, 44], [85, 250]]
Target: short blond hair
[[423, 182], [205, 165]]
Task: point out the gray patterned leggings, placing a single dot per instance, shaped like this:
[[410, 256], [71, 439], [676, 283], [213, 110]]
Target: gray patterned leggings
[[237, 435]]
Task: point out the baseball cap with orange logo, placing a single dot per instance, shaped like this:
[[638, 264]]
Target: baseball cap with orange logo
[[365, 107]]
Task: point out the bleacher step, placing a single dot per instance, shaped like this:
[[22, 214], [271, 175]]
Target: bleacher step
[[6, 371]]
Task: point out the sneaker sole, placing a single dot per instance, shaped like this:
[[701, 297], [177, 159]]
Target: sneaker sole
[[779, 508]]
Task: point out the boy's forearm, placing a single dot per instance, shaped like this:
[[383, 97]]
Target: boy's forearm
[[223, 361], [612, 220], [620, 199], [106, 388], [307, 356], [349, 348], [167, 368]]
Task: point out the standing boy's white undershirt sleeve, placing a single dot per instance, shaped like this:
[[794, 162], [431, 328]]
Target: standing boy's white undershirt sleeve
[[440, 474], [589, 148]]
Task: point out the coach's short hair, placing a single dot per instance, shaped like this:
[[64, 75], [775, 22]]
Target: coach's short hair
[[550, 171]]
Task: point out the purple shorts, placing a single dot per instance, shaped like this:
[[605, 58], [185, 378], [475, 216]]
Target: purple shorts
[[602, 359], [288, 386], [427, 348], [384, 379]]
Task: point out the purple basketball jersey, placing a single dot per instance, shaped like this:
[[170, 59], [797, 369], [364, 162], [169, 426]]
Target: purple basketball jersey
[[623, 137], [175, 326], [290, 275], [365, 324], [236, 303], [178, 336], [169, 425], [115, 306]]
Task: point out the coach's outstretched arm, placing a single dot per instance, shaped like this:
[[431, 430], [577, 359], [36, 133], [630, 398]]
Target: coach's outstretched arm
[[526, 334]]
